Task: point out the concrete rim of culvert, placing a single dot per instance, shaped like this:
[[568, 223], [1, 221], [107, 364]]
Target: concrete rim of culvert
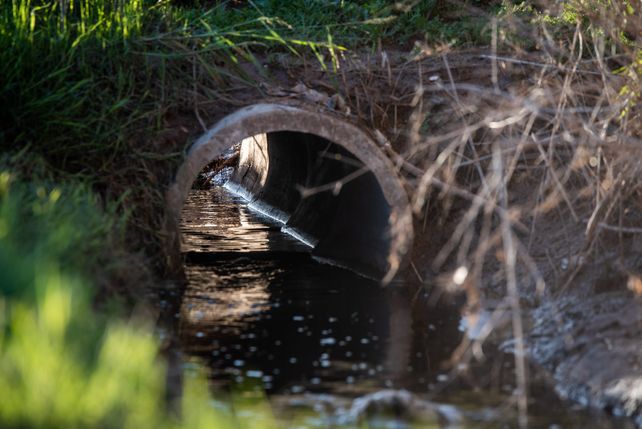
[[271, 117]]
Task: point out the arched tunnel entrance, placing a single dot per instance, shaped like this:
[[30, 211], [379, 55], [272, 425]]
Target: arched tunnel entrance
[[325, 179], [256, 305]]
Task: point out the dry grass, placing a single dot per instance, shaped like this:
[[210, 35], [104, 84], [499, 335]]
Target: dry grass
[[524, 167]]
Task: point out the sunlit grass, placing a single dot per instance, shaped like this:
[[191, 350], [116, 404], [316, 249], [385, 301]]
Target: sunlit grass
[[79, 78]]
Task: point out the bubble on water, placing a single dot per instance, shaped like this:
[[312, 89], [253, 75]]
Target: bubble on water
[[348, 338], [267, 378], [292, 360], [442, 377], [238, 362], [297, 389], [325, 363], [315, 380], [348, 354], [332, 319], [215, 352], [350, 379], [254, 374], [276, 371], [328, 341], [298, 318], [365, 341], [363, 366]]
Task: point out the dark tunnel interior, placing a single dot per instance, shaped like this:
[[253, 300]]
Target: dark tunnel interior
[[322, 193]]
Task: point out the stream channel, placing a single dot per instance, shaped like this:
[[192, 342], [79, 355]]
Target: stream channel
[[328, 344]]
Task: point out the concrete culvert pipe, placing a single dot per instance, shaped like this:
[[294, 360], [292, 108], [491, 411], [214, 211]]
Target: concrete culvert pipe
[[324, 178]]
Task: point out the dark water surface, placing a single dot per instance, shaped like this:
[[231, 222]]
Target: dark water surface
[[262, 314]]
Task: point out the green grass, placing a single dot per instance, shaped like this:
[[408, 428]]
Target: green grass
[[78, 83], [63, 364]]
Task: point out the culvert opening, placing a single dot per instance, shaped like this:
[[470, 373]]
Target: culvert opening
[[321, 193], [325, 180]]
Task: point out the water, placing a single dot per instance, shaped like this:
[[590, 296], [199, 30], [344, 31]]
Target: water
[[264, 316]]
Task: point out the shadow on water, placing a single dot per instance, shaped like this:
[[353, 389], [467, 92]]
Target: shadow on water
[[262, 314]]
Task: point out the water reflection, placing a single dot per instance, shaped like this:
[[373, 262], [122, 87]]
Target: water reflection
[[285, 321], [215, 221]]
